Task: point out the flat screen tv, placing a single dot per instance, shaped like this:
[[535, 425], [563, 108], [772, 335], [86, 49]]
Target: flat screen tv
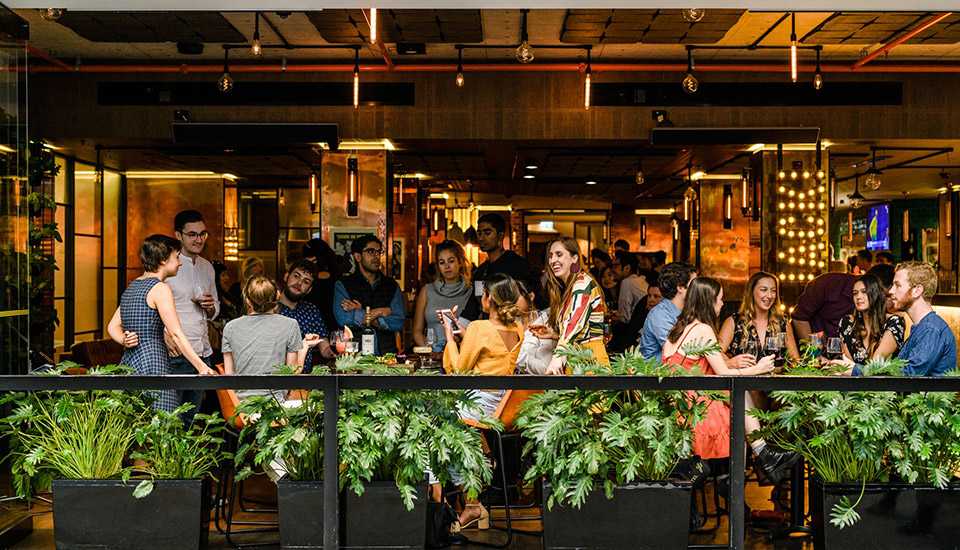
[[878, 227]]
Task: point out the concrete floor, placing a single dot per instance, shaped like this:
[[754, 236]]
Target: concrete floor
[[758, 498]]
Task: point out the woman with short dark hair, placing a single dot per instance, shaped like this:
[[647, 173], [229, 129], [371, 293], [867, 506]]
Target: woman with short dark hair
[[146, 309]]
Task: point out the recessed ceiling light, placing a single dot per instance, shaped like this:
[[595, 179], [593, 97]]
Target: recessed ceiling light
[[528, 176], [591, 182]]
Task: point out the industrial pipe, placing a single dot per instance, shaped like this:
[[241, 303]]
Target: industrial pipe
[[899, 40]]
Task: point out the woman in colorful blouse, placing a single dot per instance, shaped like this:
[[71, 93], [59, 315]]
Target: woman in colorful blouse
[[576, 304]]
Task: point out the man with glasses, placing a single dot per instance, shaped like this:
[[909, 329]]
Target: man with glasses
[[195, 295], [368, 287]]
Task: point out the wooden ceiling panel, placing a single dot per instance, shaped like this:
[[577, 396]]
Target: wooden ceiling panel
[[649, 26], [151, 27]]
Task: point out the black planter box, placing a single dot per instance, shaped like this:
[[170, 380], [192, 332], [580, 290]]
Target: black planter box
[[103, 514], [892, 515], [642, 515], [378, 519]]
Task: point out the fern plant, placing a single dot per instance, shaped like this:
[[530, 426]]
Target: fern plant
[[582, 439]]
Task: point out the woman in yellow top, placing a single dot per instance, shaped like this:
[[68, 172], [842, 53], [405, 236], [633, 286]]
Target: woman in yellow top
[[576, 304], [490, 347]]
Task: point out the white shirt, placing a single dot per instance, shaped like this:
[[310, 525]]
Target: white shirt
[[193, 320], [632, 290], [535, 354]]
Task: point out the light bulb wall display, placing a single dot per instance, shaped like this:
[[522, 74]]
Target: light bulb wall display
[[800, 197]]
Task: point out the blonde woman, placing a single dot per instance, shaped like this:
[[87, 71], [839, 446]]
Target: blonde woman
[[576, 304], [760, 317]]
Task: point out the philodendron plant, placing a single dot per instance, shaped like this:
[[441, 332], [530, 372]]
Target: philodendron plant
[[96, 434], [580, 439], [867, 436], [384, 435]]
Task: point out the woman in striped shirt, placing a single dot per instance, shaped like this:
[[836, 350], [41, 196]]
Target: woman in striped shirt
[[576, 304]]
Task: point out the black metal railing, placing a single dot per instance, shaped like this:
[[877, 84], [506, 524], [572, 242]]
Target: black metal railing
[[332, 385]]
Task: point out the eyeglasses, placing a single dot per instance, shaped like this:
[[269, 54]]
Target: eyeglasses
[[373, 251], [194, 235]]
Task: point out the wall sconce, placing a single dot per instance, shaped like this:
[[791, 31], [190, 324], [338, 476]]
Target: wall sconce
[[728, 206], [353, 187], [949, 216], [435, 224], [400, 193], [850, 226], [313, 185], [675, 223], [745, 191], [643, 231], [906, 226]]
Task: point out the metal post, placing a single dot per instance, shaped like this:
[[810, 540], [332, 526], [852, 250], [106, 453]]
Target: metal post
[[331, 465], [737, 481]]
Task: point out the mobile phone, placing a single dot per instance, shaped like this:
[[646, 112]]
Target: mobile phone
[[454, 325]]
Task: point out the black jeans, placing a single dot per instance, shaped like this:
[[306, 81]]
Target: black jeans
[[180, 365]]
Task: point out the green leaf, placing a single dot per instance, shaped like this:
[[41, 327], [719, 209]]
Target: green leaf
[[143, 489]]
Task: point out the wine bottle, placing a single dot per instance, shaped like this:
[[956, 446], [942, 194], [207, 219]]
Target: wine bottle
[[367, 336]]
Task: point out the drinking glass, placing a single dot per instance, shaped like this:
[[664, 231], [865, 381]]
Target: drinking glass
[[816, 344], [530, 317], [772, 346], [752, 347], [431, 337], [607, 333], [834, 348], [350, 346], [198, 292], [339, 342]]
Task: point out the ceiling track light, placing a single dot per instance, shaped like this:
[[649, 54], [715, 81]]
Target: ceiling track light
[[793, 47], [373, 25], [356, 78], [459, 80], [255, 48], [817, 75], [873, 174], [524, 51], [690, 83], [225, 82], [586, 85]]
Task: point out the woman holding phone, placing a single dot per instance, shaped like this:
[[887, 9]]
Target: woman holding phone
[[450, 291]]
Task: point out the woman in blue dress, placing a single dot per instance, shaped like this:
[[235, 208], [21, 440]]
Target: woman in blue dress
[[146, 309]]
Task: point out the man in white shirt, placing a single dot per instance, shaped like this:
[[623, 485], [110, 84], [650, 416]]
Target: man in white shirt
[[633, 287], [195, 295]]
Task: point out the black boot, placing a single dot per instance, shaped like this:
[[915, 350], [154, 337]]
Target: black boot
[[772, 463]]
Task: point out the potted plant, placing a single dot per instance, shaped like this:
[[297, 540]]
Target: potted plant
[[883, 462], [77, 442], [387, 439], [606, 456]]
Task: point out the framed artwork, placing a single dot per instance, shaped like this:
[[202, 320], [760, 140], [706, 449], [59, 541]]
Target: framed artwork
[[397, 267], [340, 240]]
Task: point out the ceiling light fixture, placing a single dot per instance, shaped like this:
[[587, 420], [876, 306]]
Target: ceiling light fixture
[[225, 82], [694, 14], [524, 51], [373, 25], [591, 182], [689, 196], [255, 48], [353, 187], [460, 81], [586, 84], [690, 83], [51, 14], [856, 199], [873, 174], [817, 75], [313, 186], [531, 164], [640, 170], [793, 47], [643, 231], [356, 78]]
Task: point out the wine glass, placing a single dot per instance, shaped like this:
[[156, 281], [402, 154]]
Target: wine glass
[[834, 348], [752, 347], [607, 333], [530, 317], [431, 340], [338, 341], [772, 347]]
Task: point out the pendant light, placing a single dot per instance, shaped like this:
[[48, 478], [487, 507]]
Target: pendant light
[[586, 85], [373, 25], [817, 75], [694, 15], [356, 78], [690, 83], [225, 83], [255, 48], [793, 47], [640, 170], [689, 197], [353, 187], [524, 51], [460, 81], [873, 174], [51, 14], [856, 199]]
